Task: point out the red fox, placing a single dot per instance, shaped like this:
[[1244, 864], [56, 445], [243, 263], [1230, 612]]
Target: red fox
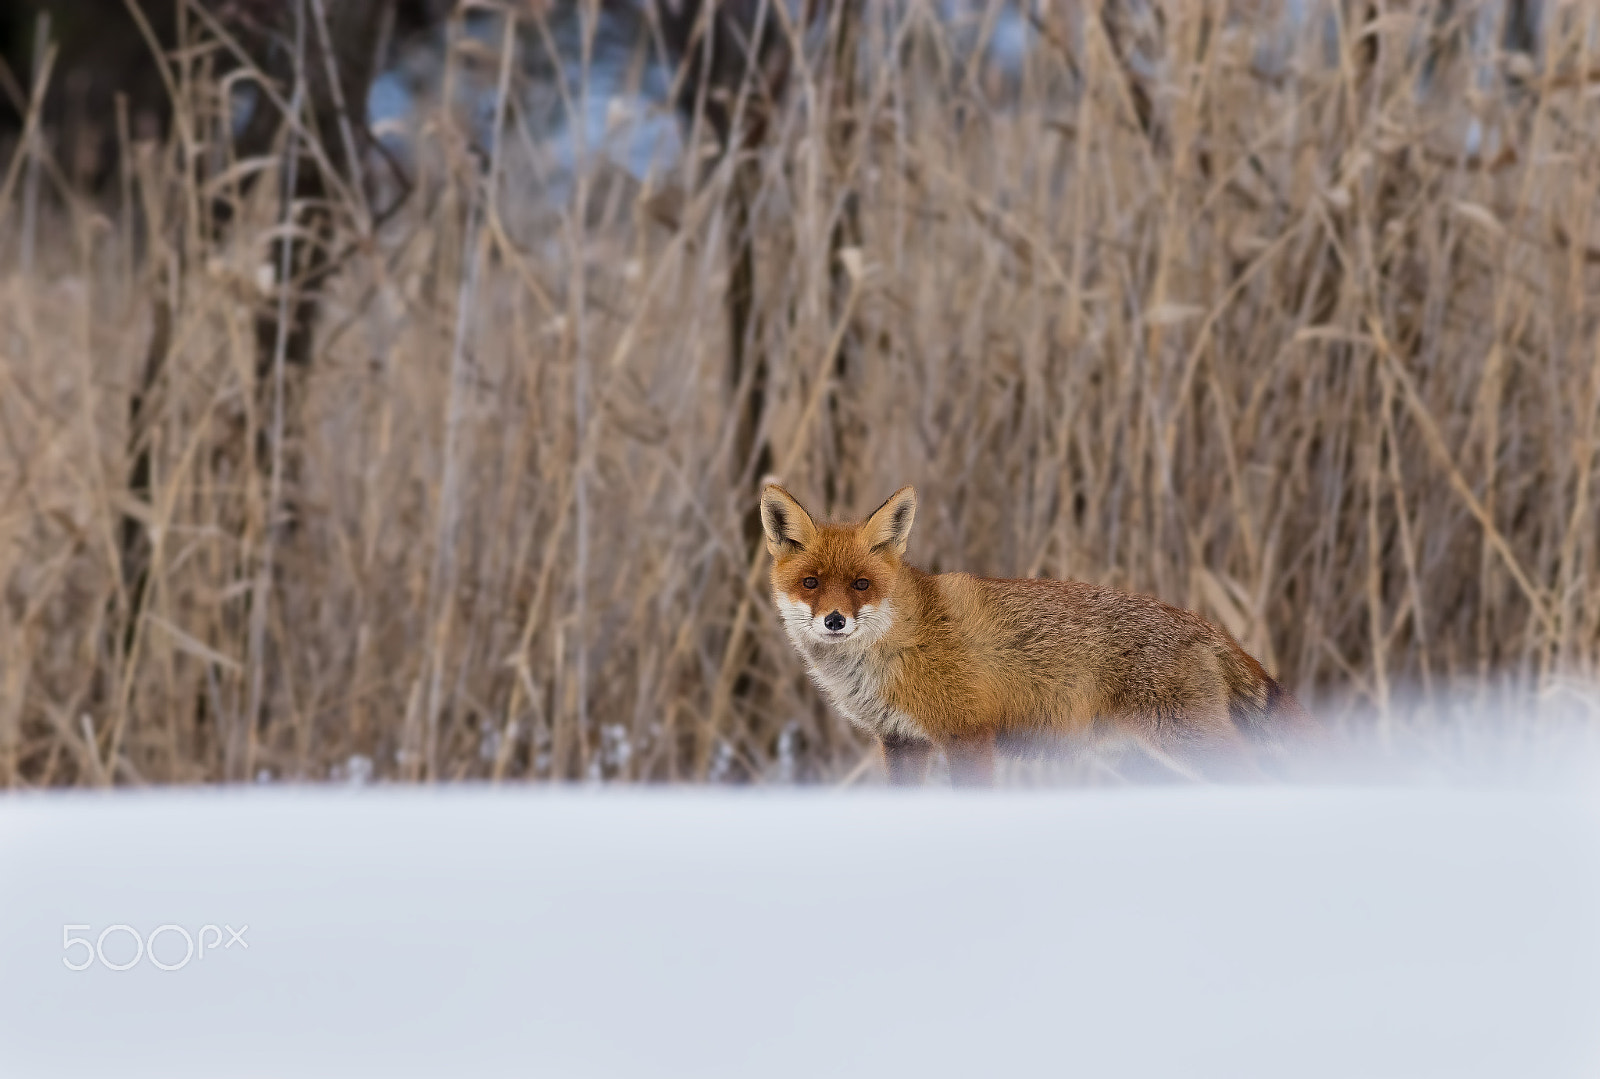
[[963, 663]]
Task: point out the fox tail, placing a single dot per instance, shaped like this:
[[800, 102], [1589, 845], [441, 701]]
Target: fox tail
[[1269, 714]]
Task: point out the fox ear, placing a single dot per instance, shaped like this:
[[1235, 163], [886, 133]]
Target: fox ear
[[890, 525], [785, 521]]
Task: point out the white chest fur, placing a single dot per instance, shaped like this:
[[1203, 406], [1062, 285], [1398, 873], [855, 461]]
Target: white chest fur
[[854, 687], [844, 670]]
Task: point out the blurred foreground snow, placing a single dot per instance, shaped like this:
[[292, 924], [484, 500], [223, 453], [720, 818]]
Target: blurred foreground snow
[[1186, 932]]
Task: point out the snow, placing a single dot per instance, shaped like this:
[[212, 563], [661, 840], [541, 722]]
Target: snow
[[1270, 931]]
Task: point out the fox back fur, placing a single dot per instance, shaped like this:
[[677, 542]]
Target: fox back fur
[[968, 663]]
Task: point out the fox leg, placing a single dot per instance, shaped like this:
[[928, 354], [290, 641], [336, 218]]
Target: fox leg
[[971, 760], [1202, 745], [1148, 762], [907, 759]]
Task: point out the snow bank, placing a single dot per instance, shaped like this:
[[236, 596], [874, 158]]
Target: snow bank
[[1190, 932]]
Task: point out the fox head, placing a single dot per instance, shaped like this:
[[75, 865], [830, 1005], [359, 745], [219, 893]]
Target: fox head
[[832, 582]]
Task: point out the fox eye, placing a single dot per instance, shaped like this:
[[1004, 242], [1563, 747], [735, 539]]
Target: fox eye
[[810, 582], [862, 584]]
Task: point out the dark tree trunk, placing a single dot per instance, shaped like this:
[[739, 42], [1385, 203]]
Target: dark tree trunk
[[846, 233], [339, 63], [738, 47], [734, 60]]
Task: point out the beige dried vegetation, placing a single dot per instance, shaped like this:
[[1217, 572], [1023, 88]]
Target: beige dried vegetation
[[1296, 326]]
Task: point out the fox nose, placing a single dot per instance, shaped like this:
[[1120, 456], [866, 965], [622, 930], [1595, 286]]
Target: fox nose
[[834, 622]]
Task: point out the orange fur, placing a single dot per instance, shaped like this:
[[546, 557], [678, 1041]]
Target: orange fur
[[967, 662]]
